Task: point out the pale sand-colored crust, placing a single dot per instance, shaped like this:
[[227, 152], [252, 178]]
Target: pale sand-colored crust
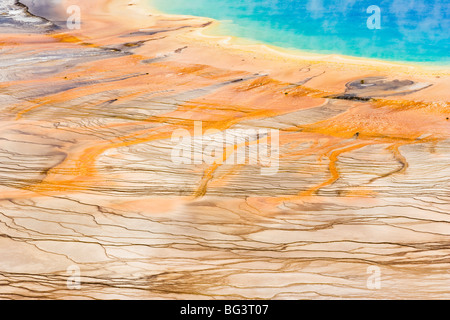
[[87, 177]]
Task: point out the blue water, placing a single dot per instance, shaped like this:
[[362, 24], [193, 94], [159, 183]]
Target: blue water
[[411, 30]]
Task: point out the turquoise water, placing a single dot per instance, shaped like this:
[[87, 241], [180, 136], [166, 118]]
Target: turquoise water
[[410, 30]]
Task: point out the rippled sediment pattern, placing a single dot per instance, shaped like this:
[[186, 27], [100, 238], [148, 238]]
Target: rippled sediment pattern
[[15, 18], [87, 179]]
